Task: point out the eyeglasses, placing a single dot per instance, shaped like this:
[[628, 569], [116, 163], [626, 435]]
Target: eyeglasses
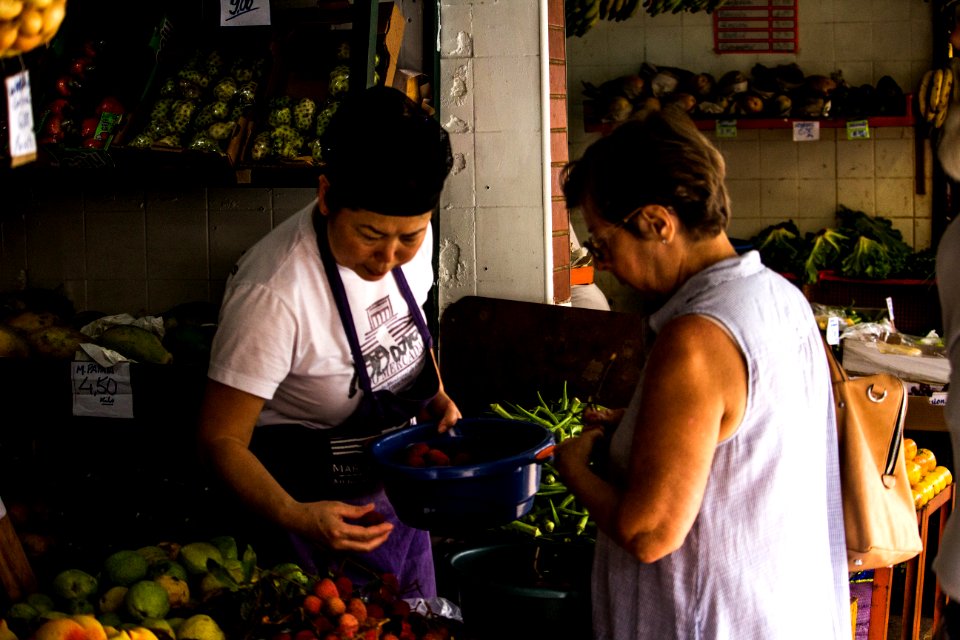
[[598, 248]]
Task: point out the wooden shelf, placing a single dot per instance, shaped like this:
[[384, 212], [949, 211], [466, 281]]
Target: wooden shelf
[[592, 125]]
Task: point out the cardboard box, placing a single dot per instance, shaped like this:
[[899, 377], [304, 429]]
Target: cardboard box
[[923, 415], [861, 357]]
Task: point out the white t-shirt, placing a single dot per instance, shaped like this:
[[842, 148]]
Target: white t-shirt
[[280, 336]]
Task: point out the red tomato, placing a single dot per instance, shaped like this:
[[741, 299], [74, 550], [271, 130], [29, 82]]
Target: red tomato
[[88, 127], [110, 104], [93, 143], [58, 105]]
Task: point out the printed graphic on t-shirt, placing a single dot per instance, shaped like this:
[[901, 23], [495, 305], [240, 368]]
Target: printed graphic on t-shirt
[[391, 346]]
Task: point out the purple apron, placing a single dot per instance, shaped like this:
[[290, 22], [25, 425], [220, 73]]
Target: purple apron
[[335, 463]]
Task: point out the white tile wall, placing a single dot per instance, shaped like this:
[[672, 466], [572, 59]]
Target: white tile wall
[[771, 177], [138, 252], [493, 233]]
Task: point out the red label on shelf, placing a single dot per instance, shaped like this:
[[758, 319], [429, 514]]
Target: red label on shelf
[[756, 26]]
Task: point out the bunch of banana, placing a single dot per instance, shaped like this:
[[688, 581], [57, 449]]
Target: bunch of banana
[[656, 7], [581, 15], [618, 10], [936, 92]]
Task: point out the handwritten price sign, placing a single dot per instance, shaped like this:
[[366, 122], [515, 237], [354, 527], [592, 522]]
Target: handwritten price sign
[[244, 13], [102, 392]]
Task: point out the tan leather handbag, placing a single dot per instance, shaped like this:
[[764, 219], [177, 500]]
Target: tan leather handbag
[[878, 510]]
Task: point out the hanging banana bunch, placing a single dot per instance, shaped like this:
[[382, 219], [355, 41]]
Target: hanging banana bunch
[[582, 15], [938, 89]]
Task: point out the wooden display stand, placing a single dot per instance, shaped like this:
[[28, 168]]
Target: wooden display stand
[[941, 504], [16, 576]]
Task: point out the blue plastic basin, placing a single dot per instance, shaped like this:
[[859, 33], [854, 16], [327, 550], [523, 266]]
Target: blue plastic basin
[[496, 487]]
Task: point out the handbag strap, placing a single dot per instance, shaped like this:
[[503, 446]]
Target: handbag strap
[[837, 373]]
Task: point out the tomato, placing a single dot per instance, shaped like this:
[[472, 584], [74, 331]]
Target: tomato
[[53, 125], [59, 105], [93, 143], [88, 127], [110, 104], [80, 67]]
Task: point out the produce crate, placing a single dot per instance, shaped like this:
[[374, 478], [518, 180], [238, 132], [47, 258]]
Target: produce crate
[[307, 49], [196, 111], [916, 303], [85, 485]]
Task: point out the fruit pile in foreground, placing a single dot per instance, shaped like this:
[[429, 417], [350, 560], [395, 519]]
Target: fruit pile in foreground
[[207, 590], [927, 478]]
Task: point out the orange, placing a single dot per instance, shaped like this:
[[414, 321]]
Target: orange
[[939, 480], [914, 472], [918, 498], [926, 459], [909, 449], [31, 22], [926, 488], [947, 476]]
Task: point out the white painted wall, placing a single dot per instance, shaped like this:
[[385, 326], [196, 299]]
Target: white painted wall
[[494, 234], [772, 178]]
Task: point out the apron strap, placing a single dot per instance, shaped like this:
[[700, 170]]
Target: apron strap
[[343, 305]]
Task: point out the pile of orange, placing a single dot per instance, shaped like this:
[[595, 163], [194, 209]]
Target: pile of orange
[[26, 24], [927, 478]]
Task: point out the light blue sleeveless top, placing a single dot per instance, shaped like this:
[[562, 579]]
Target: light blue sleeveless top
[[766, 556]]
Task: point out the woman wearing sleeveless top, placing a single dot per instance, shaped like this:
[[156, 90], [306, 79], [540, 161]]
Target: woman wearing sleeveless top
[[718, 506]]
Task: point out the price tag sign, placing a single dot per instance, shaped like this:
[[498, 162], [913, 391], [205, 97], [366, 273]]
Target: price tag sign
[[938, 399], [102, 392], [806, 131], [23, 142], [244, 13], [833, 331], [858, 130], [726, 129]]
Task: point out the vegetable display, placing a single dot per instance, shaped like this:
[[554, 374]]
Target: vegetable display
[[859, 246], [556, 514]]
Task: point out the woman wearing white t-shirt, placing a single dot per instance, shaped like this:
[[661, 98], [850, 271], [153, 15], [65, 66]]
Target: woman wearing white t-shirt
[[322, 346]]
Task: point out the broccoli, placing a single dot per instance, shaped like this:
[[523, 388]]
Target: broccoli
[[781, 247], [827, 247]]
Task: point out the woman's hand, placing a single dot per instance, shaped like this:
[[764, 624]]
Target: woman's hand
[[345, 527], [572, 456], [602, 416], [443, 409]]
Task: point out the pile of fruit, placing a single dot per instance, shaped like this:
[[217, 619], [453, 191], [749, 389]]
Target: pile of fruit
[[43, 324], [202, 104], [555, 515], [781, 91], [81, 109], [27, 24], [927, 477], [209, 590]]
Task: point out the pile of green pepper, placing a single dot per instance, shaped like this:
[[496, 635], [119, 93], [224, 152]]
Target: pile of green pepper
[[556, 514]]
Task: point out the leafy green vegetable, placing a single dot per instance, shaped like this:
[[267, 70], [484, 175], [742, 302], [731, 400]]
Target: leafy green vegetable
[[781, 247], [888, 258], [827, 248], [869, 259]]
